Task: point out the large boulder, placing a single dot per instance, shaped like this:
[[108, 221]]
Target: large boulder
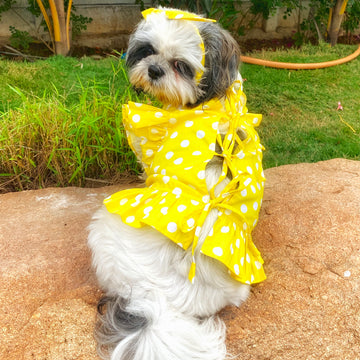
[[309, 236]]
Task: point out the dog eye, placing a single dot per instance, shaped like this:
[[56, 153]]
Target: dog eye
[[137, 54], [148, 50], [183, 69]]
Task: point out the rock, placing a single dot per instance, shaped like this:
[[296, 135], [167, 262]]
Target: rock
[[48, 293], [308, 234]]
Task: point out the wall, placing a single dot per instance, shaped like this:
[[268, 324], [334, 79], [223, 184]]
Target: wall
[[113, 21]]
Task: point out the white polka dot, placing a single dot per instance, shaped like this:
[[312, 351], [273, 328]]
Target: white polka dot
[[231, 249], [148, 209], [190, 222], [189, 123], [166, 179], [185, 143], [236, 269], [139, 197], [253, 189], [243, 192], [174, 135], [225, 229], [201, 175], [178, 161], [172, 121], [258, 265], [136, 118], [206, 198], [177, 191], [212, 147], [215, 125], [243, 208], [123, 201], [162, 201], [156, 168], [199, 112], [242, 261], [211, 233], [196, 153], [188, 168], [247, 181], [138, 104], [143, 141], [218, 251], [247, 258], [237, 243], [255, 206], [130, 219], [194, 202], [200, 134], [249, 170], [171, 227], [149, 152], [180, 244], [164, 210], [154, 131], [255, 120], [197, 230], [159, 114], [179, 16], [160, 148], [169, 155], [181, 208], [240, 155]]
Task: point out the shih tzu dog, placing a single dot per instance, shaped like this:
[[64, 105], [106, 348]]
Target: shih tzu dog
[[170, 255]]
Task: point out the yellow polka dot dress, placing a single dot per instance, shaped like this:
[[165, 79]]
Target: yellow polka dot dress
[[176, 146]]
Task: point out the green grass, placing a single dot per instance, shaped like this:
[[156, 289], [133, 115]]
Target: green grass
[[301, 122], [60, 119]]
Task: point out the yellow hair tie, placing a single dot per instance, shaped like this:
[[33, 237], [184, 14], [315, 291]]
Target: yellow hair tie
[[173, 14]]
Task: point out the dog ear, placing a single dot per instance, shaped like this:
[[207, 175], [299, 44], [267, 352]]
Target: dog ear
[[222, 57]]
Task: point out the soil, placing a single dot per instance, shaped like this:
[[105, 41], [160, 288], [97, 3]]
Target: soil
[[39, 50]]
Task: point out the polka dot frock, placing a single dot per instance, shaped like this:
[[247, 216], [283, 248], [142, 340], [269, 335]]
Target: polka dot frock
[[175, 147]]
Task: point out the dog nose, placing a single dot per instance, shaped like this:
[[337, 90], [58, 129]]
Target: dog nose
[[155, 72]]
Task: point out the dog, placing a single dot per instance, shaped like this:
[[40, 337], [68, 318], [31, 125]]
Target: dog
[[170, 255]]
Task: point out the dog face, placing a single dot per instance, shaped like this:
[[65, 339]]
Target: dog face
[[165, 59]]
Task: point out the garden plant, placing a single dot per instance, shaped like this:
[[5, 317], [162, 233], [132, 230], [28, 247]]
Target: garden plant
[[61, 122]]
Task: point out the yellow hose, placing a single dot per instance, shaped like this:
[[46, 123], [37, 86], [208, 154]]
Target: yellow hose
[[296, 66]]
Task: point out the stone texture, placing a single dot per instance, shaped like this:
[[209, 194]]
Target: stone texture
[[308, 308], [309, 235]]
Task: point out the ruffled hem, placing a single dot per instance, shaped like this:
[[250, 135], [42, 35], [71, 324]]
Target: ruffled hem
[[176, 215]]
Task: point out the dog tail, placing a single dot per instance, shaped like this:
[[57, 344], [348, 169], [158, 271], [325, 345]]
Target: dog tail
[[149, 330]]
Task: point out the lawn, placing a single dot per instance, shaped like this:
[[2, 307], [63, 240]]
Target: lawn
[[60, 119]]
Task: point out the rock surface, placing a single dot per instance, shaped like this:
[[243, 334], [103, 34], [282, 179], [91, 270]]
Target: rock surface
[[308, 308]]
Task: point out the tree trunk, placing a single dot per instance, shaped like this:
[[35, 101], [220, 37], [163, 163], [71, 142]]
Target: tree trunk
[[336, 20], [61, 46]]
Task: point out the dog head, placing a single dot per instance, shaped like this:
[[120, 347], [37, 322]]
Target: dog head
[[182, 62]]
